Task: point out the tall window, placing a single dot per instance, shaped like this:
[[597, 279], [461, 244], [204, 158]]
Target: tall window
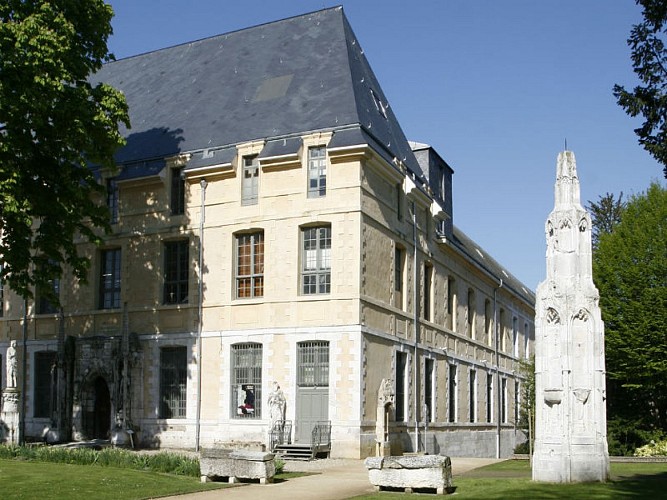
[[112, 200], [399, 276], [517, 401], [246, 381], [500, 330], [173, 381], [428, 280], [317, 172], [313, 364], [503, 401], [250, 180], [399, 201], [472, 393], [250, 265], [452, 393], [489, 398], [451, 303], [526, 340], [45, 373], [177, 191], [316, 260], [44, 294], [428, 389], [401, 396], [515, 337], [110, 279], [488, 321], [176, 267], [470, 323]]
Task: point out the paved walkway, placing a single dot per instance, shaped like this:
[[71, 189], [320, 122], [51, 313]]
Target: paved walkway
[[336, 479]]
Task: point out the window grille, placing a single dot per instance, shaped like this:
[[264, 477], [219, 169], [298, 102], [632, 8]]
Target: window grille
[[313, 364], [316, 260], [428, 389], [177, 191], [176, 272], [473, 396], [401, 396], [489, 398], [250, 180], [250, 265], [246, 381], [173, 382], [452, 393]]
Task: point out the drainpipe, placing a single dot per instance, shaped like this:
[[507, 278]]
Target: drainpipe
[[416, 325], [498, 388], [202, 213], [25, 371]]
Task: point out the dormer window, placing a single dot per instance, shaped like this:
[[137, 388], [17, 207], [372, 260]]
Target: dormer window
[[379, 105]]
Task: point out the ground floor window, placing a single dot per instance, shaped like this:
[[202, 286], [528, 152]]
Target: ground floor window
[[473, 396], [489, 398], [452, 393], [173, 381], [401, 396], [246, 381], [428, 390], [45, 383]]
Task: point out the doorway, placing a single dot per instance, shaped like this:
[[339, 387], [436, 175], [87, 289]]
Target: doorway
[[312, 391], [97, 404]]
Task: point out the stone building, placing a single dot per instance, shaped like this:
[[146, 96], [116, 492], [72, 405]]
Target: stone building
[[271, 223]]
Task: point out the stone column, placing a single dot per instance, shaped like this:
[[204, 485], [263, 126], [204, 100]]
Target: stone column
[[570, 413]]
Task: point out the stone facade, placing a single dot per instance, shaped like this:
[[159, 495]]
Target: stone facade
[[570, 417], [190, 361]]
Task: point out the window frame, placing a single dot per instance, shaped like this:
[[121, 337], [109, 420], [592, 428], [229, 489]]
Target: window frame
[[113, 199], [472, 399], [177, 278], [429, 385], [43, 384], [173, 384], [110, 288], [452, 393], [246, 378], [250, 180], [317, 171], [255, 277], [401, 395], [321, 272], [177, 192]]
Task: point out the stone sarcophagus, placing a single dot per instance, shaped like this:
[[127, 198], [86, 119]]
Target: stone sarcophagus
[[419, 472], [235, 465]]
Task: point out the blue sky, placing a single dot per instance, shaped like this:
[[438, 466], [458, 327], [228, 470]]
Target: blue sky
[[497, 87]]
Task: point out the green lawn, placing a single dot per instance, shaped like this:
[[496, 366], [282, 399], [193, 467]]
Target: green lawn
[[511, 480], [30, 480]]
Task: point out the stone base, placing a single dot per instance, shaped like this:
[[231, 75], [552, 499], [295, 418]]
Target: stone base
[[237, 465], [408, 473], [10, 431]]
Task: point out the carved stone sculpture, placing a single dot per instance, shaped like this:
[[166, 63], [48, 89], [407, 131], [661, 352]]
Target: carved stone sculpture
[[11, 364], [570, 413]]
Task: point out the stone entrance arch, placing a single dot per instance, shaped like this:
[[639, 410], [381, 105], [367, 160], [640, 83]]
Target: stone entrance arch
[[96, 408]]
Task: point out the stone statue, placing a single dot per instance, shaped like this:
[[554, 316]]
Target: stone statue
[[277, 404], [386, 399], [11, 364]]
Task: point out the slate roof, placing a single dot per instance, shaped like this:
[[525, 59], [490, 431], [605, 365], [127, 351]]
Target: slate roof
[[272, 81]]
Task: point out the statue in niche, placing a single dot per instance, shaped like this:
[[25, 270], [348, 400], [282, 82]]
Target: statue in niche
[[386, 399], [11, 364]]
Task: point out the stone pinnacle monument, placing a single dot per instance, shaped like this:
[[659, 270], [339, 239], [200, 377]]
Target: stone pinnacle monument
[[570, 413]]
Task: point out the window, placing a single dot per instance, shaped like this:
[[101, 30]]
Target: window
[[45, 373], [316, 260], [177, 191], [526, 340], [500, 329], [470, 323], [452, 393], [250, 265], [488, 321], [515, 337], [250, 180], [472, 393], [246, 381], [451, 304], [313, 365], [2, 293], [503, 401], [317, 172], [112, 200], [428, 390], [399, 201], [44, 305], [176, 267], [517, 401], [110, 279], [399, 276], [401, 384], [428, 279], [173, 381], [489, 398]]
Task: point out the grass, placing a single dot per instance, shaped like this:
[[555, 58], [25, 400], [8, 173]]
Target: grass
[[21, 479], [512, 479]]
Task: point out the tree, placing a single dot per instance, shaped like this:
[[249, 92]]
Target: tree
[[606, 213], [649, 59], [53, 125], [630, 271]]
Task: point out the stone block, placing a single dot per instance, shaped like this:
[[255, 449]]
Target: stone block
[[411, 472], [236, 464]]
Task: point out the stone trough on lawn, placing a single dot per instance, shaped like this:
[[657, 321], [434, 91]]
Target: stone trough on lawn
[[411, 473]]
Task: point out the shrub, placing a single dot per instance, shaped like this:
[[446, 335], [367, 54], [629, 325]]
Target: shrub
[[653, 449], [279, 463]]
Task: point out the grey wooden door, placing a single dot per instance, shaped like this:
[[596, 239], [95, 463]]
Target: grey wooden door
[[312, 392]]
